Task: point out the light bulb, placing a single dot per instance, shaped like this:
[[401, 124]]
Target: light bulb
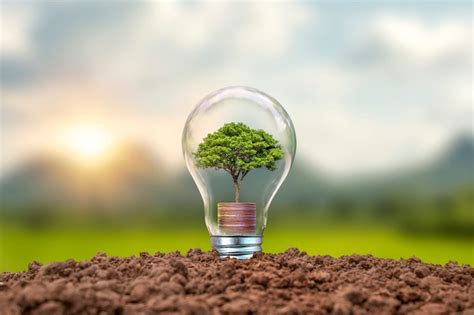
[[239, 145]]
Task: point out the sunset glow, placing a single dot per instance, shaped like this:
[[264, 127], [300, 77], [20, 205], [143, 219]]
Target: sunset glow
[[88, 143]]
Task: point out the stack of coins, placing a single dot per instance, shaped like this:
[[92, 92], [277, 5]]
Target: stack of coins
[[237, 217]]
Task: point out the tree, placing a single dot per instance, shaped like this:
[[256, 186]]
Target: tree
[[237, 149]]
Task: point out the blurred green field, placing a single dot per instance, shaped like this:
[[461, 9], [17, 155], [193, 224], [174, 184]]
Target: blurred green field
[[20, 245]]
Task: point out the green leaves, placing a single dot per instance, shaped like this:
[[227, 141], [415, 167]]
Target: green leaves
[[238, 149]]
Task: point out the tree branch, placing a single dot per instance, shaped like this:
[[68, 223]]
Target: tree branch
[[243, 174]]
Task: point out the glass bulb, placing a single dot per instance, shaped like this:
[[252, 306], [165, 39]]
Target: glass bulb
[[239, 145]]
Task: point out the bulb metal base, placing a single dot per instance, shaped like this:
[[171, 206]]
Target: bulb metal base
[[240, 247]]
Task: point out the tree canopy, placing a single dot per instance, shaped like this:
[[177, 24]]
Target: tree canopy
[[237, 149]]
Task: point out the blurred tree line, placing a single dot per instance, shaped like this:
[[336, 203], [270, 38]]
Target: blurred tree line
[[134, 188]]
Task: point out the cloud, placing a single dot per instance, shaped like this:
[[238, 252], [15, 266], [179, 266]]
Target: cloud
[[421, 41], [416, 41], [161, 44], [344, 142], [251, 27], [89, 37], [401, 91], [16, 21], [371, 89], [16, 24]]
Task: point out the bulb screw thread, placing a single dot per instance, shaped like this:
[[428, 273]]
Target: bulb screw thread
[[239, 246]]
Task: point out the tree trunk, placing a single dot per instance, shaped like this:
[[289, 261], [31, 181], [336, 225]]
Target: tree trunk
[[237, 191]]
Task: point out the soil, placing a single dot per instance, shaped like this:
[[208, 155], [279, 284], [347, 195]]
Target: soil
[[201, 283]]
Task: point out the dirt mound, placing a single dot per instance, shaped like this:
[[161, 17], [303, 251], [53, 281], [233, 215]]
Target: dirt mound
[[202, 283]]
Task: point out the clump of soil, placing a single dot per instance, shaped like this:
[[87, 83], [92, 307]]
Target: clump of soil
[[201, 283]]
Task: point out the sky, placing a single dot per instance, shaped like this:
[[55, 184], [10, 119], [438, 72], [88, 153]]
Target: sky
[[370, 87]]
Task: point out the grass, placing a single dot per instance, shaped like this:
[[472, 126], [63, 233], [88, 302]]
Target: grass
[[19, 245]]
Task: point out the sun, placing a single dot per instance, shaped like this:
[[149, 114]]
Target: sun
[[88, 143]]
